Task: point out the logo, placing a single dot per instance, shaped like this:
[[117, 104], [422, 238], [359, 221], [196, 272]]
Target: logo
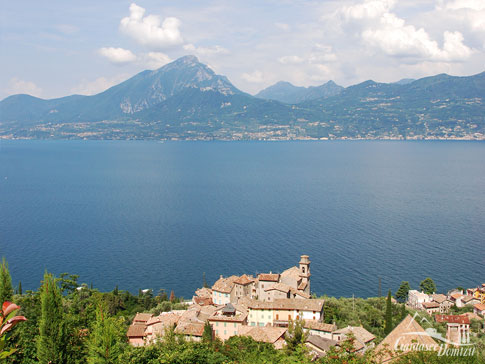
[[455, 343]]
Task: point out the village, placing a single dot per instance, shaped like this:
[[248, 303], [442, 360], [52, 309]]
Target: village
[[265, 306]]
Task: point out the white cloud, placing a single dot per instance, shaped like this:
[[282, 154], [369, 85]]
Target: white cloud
[[204, 51], [253, 77], [149, 30], [466, 4], [98, 85], [155, 60], [117, 55], [291, 60], [384, 30], [369, 9], [17, 86]]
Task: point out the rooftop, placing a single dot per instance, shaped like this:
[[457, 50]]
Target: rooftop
[[319, 326], [269, 277], [453, 319], [406, 335]]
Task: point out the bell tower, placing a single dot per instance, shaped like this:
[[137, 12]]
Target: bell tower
[[305, 274]]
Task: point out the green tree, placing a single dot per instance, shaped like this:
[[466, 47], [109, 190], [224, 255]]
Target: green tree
[[207, 335], [51, 343], [106, 339], [295, 336], [19, 288], [388, 324], [6, 290], [427, 286], [402, 292]]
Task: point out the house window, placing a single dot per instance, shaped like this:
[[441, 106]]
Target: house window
[[217, 323], [289, 317], [225, 332], [225, 324], [234, 324], [277, 316]]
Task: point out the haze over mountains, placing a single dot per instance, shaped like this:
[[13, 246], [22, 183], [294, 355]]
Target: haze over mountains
[[187, 100]]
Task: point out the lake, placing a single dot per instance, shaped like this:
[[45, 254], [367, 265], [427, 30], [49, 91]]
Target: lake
[[142, 214]]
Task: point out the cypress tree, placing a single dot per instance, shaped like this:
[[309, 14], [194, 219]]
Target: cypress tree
[[51, 346], [6, 290], [19, 289], [105, 341], [207, 334], [388, 322]]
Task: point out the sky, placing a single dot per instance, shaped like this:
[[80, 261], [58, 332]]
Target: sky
[[56, 48]]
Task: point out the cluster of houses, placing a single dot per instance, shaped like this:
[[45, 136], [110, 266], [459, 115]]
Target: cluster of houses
[[263, 306], [259, 306], [440, 303]]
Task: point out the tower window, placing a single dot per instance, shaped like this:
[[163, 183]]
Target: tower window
[[303, 269]]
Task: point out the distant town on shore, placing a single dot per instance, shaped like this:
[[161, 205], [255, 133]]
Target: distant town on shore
[[186, 100]]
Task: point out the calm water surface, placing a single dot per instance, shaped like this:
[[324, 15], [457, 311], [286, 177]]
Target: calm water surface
[[158, 215]]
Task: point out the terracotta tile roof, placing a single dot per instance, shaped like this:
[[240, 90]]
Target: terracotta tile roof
[[453, 319], [203, 301], [279, 287], [142, 317], [361, 334], [438, 297], [136, 331], [204, 292], [244, 280], [406, 335], [240, 315], [456, 296], [319, 326], [269, 277], [224, 285], [289, 304], [301, 294], [293, 273], [479, 306], [266, 334], [302, 285], [431, 305], [190, 328], [165, 318], [321, 343], [467, 299]]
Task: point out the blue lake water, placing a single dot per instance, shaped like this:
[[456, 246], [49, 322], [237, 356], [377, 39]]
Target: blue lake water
[[155, 215]]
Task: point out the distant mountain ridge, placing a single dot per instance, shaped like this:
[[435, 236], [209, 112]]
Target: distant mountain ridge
[[185, 99], [290, 94]]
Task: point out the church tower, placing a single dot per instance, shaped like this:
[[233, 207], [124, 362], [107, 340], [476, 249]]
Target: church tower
[[305, 274]]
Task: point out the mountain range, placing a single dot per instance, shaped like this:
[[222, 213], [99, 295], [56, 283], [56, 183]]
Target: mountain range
[[185, 99]]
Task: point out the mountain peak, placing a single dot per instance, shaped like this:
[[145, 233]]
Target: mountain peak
[[188, 59]]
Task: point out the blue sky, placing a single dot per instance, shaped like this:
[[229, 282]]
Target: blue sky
[[55, 48]]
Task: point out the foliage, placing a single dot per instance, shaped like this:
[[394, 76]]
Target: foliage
[[427, 286], [388, 325], [402, 292], [6, 290], [8, 320], [106, 339], [295, 335], [51, 345], [208, 334], [368, 313]]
